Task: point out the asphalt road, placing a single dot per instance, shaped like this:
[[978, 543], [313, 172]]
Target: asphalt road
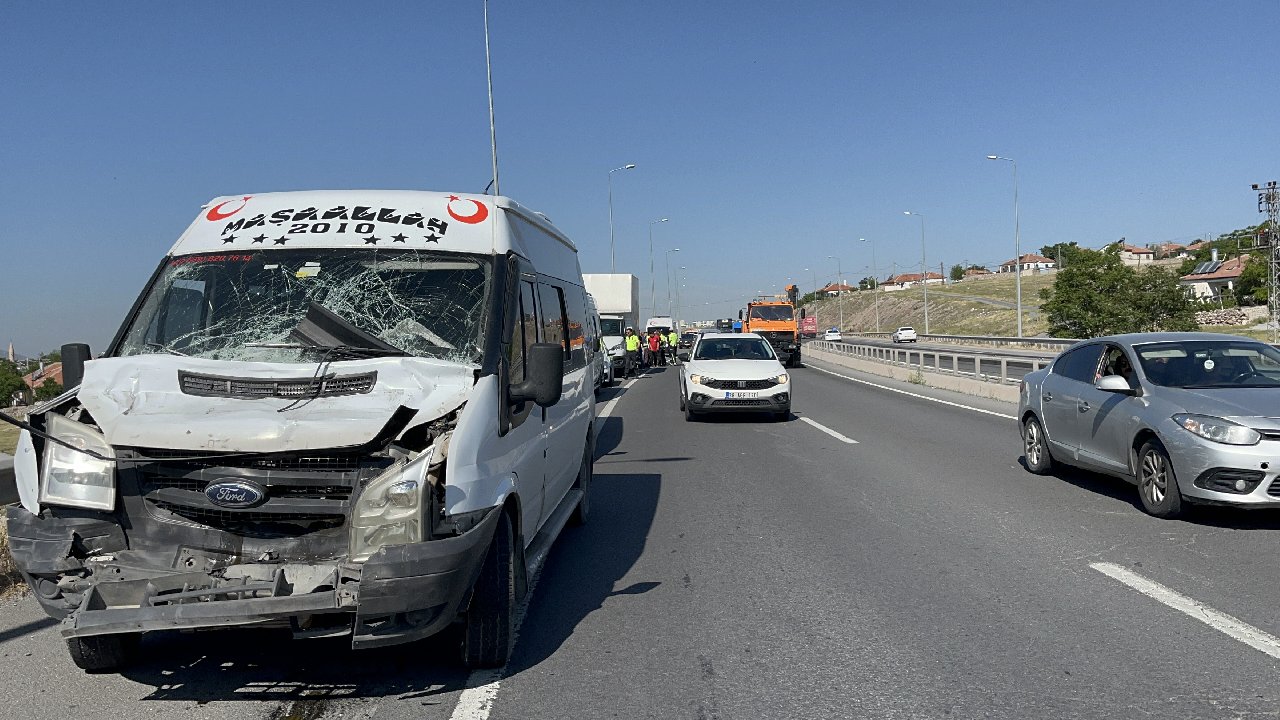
[[740, 568]]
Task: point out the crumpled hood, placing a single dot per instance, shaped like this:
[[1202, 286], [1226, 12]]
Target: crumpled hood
[[137, 401]]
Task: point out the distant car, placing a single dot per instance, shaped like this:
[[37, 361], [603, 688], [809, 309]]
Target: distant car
[[904, 335], [832, 335], [1188, 417], [734, 372], [686, 340]]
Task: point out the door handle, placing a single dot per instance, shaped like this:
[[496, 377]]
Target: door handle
[[1047, 397], [1084, 406]]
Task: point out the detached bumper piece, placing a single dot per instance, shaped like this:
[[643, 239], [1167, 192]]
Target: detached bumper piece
[[197, 600], [402, 593]]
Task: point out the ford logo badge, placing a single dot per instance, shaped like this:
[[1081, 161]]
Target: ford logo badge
[[235, 493]]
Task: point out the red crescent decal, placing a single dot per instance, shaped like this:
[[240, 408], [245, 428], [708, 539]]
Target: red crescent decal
[[478, 216], [215, 213]]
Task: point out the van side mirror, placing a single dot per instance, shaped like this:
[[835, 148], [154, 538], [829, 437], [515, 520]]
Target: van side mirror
[[683, 355], [802, 313], [544, 376], [74, 356], [739, 314]]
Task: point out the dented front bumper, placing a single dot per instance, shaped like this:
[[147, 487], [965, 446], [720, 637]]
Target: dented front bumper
[[82, 572]]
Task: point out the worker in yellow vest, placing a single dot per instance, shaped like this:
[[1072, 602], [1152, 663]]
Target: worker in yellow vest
[[631, 342], [673, 342]]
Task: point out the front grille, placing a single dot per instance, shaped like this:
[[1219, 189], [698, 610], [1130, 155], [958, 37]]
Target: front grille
[[741, 384], [251, 388], [254, 523], [305, 492]]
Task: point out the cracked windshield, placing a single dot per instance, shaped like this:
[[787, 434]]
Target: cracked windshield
[[248, 306]]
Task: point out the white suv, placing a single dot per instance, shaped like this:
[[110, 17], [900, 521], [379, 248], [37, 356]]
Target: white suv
[[904, 334]]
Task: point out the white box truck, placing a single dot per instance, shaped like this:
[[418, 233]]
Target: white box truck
[[618, 301]]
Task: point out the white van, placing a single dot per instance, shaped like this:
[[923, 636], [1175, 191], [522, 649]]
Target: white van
[[341, 412]]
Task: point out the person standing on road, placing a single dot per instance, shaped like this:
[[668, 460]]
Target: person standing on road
[[673, 343], [631, 344], [655, 349]]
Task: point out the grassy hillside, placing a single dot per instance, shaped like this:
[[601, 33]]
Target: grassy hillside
[[950, 313], [8, 438]]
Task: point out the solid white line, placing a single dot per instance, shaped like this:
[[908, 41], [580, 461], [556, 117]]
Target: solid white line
[[914, 395], [476, 701], [1220, 621], [829, 431]]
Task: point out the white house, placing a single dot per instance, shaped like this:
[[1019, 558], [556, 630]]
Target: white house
[[1030, 262], [1134, 255], [1214, 278]]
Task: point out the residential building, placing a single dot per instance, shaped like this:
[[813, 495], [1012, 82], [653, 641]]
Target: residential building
[[1029, 263], [1134, 255], [1214, 278]]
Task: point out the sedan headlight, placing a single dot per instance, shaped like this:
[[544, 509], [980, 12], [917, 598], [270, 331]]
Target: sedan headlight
[[701, 379], [781, 379], [1217, 429], [389, 510], [73, 478]]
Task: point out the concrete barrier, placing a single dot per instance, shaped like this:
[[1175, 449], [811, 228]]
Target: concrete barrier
[[968, 386]]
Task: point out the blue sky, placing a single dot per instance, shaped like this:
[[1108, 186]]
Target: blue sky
[[771, 134]]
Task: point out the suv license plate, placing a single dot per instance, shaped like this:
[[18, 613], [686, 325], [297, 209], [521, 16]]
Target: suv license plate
[[729, 395]]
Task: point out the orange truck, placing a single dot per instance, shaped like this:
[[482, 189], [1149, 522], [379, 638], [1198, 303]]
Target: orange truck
[[775, 321]]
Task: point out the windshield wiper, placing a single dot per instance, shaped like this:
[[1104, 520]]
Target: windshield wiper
[[323, 329], [354, 351], [166, 348]]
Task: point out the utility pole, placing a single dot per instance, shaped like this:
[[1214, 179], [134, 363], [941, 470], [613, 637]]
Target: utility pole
[[1269, 203]]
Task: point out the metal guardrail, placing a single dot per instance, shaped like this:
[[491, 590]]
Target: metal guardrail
[[986, 367], [1033, 343]]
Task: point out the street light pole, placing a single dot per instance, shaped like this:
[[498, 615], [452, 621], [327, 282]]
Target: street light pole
[[924, 270], [1017, 240], [679, 284], [875, 281], [612, 265], [653, 295], [839, 289], [667, 257]]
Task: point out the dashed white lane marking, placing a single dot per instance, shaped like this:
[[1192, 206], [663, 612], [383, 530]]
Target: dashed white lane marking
[[829, 431], [1220, 621], [476, 701], [915, 395]]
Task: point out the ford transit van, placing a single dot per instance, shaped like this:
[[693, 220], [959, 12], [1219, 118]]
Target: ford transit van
[[349, 413]]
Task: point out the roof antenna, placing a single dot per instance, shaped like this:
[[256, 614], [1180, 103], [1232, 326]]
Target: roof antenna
[[493, 136]]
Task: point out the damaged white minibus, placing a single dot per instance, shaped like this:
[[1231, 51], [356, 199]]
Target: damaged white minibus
[[341, 412]]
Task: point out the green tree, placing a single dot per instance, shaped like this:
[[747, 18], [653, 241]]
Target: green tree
[[1062, 253], [957, 273], [48, 390], [10, 382], [868, 283], [1096, 294], [1253, 287]]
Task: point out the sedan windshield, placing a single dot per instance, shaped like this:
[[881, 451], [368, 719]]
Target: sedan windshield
[[733, 349], [1210, 364], [247, 306]]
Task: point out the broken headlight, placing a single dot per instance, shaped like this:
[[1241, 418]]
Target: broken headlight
[[389, 510], [73, 478]]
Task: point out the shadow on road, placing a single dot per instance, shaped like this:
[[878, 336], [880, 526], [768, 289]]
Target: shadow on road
[[1219, 516], [27, 629], [583, 569]]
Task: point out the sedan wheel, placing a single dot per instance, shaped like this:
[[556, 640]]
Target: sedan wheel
[[1157, 484], [1035, 450]]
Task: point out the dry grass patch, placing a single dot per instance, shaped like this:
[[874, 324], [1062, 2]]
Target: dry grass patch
[[8, 438]]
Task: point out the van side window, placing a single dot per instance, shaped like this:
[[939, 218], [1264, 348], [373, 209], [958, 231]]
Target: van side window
[[579, 330], [524, 334], [553, 318]]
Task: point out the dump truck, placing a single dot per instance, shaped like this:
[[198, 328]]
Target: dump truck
[[774, 319]]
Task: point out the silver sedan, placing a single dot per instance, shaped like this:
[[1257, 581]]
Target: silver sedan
[[1188, 417]]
